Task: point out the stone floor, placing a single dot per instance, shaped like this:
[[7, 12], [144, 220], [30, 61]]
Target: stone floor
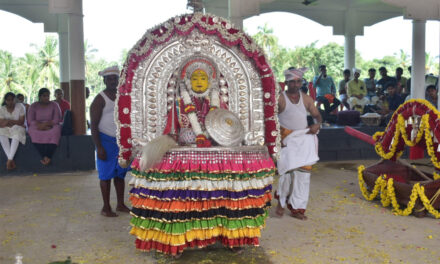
[[47, 218]]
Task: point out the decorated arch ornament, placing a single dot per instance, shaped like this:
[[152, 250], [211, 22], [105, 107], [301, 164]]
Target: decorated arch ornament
[[150, 77], [416, 123]]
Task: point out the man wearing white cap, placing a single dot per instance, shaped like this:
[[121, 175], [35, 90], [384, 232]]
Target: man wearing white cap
[[103, 130], [300, 143], [356, 92]]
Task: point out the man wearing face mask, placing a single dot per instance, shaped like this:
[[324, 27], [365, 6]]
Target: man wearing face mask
[[103, 130]]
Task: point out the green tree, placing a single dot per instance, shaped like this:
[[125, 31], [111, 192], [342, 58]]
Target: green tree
[[266, 39], [8, 74], [29, 75], [48, 64]]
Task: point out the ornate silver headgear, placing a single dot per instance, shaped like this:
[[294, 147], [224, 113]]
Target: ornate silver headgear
[[199, 63]]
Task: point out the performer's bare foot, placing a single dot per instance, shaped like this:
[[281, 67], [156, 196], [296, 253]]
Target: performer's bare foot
[[8, 165], [178, 255], [108, 212], [122, 208], [13, 166], [45, 161], [279, 210], [237, 250]]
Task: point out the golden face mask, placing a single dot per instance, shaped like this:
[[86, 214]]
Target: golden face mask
[[199, 81]]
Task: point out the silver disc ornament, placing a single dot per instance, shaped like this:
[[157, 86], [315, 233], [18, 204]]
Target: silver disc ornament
[[224, 127]]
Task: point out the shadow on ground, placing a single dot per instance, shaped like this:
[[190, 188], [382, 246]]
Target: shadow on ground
[[216, 254]]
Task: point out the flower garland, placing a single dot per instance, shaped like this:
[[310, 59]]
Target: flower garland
[[402, 128], [430, 149], [191, 114], [429, 116], [388, 195], [377, 185], [412, 198], [427, 204], [190, 110]]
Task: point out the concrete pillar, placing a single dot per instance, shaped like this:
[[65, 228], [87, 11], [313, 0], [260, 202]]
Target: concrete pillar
[[63, 40], [350, 52], [438, 84], [235, 13], [237, 21], [77, 70], [418, 59]]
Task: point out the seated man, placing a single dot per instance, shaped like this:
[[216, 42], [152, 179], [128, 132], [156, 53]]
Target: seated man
[[357, 92], [325, 92], [431, 94], [385, 79], [343, 89], [392, 101], [401, 81], [370, 84]]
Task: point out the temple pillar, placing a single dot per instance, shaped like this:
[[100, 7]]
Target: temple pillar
[[350, 52], [418, 59], [77, 69], [63, 40]]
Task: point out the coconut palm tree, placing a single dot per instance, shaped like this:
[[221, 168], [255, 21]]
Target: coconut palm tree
[[8, 74], [29, 74], [48, 64], [266, 39]]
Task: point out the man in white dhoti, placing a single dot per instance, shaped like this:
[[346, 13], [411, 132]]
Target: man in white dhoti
[[300, 145]]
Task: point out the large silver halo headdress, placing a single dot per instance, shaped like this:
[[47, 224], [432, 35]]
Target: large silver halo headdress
[[199, 63]]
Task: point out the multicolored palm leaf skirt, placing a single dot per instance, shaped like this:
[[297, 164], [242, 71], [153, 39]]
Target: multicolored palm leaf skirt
[[195, 197]]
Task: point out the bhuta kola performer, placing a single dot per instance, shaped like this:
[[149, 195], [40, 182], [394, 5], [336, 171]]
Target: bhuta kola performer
[[300, 145], [196, 112], [199, 196]]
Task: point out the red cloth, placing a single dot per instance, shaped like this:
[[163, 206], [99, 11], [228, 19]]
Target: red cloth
[[64, 105], [396, 178], [330, 98], [312, 91], [416, 152]]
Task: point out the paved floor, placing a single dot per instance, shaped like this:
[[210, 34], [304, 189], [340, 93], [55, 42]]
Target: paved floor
[[47, 218]]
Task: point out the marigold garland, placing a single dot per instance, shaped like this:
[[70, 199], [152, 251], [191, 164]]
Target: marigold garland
[[388, 195], [401, 130]]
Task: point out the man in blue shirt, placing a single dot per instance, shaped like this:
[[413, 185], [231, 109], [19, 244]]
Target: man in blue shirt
[[325, 91]]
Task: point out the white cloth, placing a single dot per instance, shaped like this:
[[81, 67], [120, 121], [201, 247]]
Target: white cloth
[[301, 150], [295, 192], [17, 132], [107, 123], [9, 148], [358, 104], [113, 70], [294, 74]]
